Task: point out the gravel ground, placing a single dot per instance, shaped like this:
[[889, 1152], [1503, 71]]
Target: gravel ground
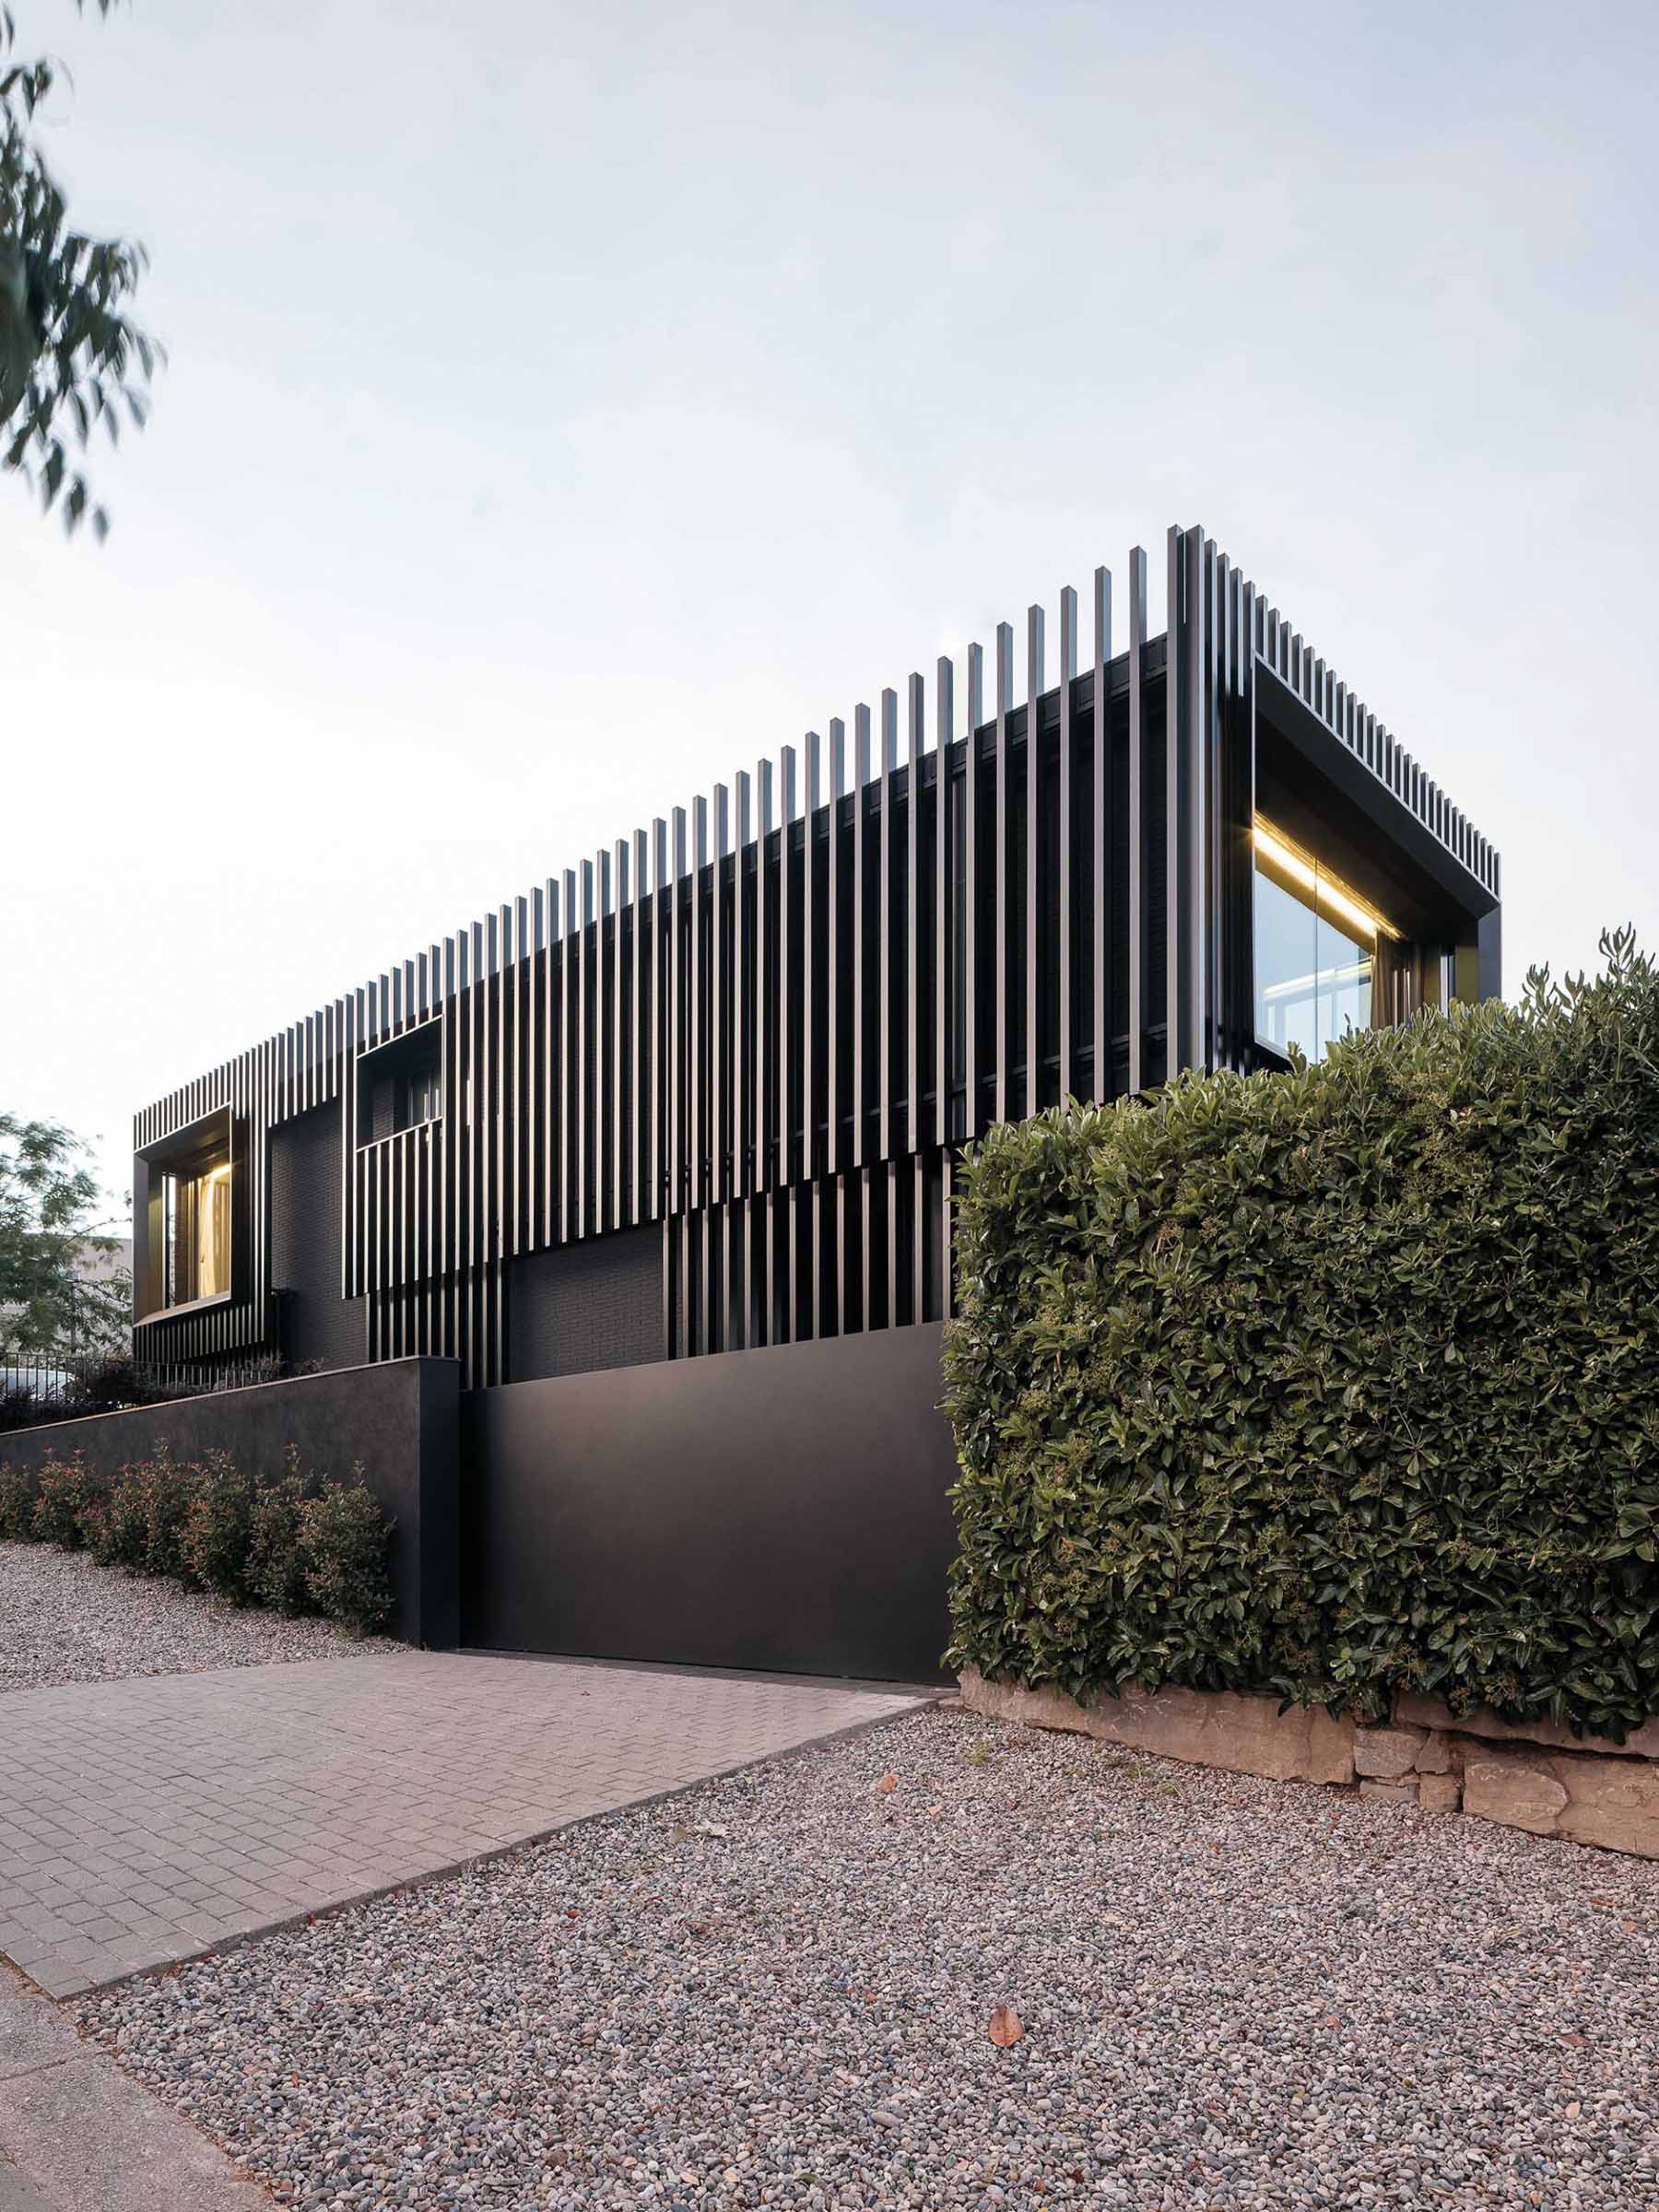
[[65, 1618], [777, 1989]]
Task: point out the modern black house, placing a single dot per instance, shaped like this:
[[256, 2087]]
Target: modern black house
[[702, 1094]]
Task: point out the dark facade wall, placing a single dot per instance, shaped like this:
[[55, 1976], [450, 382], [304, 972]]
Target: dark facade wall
[[769, 1024], [315, 1322], [399, 1419], [585, 1306], [783, 1509]]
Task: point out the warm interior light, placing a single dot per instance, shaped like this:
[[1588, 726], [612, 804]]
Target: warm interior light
[[1305, 986], [213, 1232], [1320, 885]]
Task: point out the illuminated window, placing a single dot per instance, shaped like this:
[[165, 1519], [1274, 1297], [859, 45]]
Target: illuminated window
[[196, 1233], [188, 1217], [1316, 947]]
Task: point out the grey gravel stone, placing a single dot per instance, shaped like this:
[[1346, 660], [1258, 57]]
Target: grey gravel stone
[[65, 1618], [1234, 1993]]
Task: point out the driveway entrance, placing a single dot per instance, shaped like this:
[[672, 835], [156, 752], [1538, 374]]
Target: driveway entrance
[[146, 1820]]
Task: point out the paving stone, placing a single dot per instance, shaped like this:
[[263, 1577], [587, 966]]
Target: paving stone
[[178, 1812]]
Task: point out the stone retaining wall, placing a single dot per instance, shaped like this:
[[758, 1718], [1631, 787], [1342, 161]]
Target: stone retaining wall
[[1430, 1759]]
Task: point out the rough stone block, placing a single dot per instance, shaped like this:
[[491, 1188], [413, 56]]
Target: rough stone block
[[1396, 1792], [1613, 1802], [1436, 1755], [1440, 1792], [1047, 1708], [1241, 1734], [1386, 1753], [1414, 1711], [1330, 1746], [1517, 1788]]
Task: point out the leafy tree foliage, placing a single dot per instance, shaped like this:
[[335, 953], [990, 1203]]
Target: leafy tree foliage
[[70, 356], [1333, 1384], [49, 1205]]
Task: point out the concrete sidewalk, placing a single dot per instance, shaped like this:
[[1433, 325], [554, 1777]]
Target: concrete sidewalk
[[77, 2135], [148, 1820]]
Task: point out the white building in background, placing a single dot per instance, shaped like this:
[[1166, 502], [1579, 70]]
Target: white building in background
[[97, 1260]]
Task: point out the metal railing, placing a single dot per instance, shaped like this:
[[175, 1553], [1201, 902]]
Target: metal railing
[[66, 1388]]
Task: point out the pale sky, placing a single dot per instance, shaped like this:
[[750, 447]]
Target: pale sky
[[566, 410]]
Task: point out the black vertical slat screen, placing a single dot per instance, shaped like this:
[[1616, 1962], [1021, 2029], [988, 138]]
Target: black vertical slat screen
[[772, 1036], [1001, 917]]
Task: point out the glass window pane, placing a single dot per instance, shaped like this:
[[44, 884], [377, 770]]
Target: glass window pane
[[170, 1240], [212, 1233], [195, 1233], [1345, 983], [1315, 950], [1287, 968]]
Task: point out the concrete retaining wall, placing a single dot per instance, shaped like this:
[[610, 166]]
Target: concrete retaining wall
[[399, 1419]]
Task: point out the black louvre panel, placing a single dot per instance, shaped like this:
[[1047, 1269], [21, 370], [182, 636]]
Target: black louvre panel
[[758, 1042]]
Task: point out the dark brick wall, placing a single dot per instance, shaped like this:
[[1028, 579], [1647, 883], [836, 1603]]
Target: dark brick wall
[[306, 1232], [585, 1306]]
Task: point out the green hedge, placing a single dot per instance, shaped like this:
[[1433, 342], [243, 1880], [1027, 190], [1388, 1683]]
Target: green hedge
[[1332, 1383]]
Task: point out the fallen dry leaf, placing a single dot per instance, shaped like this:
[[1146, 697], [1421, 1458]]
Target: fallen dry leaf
[[887, 1781], [1006, 2027]]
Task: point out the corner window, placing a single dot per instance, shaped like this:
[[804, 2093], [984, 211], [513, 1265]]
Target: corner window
[[1316, 948]]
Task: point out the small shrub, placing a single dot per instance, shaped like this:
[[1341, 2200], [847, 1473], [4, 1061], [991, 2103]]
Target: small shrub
[[117, 1525], [345, 1535], [213, 1542], [104, 1388], [18, 1409], [17, 1506], [94, 1514], [165, 1488], [65, 1491], [277, 1542]]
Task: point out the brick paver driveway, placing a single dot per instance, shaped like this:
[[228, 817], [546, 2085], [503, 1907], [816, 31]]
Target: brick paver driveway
[[146, 1820]]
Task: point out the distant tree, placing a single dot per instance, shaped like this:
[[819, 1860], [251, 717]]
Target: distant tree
[[50, 1202], [70, 358]]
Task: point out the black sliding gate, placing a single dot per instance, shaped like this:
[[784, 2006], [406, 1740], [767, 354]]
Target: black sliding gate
[[782, 1509]]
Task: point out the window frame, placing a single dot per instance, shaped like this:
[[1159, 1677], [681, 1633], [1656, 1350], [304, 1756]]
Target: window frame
[[418, 1050], [211, 1142], [1338, 911]]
